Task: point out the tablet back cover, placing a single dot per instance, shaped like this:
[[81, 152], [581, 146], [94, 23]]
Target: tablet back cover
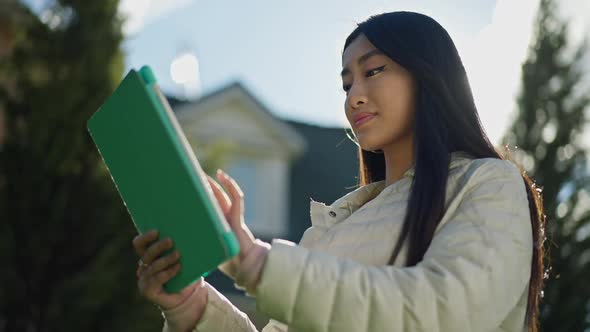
[[159, 178]]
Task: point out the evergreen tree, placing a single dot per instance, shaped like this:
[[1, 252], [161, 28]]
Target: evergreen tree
[[65, 237], [546, 138]]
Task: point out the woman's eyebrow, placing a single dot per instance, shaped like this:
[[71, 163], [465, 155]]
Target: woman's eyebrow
[[362, 59]]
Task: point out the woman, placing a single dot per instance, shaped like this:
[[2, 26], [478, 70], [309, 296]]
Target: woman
[[443, 233]]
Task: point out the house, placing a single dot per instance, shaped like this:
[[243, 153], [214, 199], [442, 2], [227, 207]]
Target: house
[[280, 165], [259, 149]]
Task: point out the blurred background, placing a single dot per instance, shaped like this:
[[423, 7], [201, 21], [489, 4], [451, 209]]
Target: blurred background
[[256, 87]]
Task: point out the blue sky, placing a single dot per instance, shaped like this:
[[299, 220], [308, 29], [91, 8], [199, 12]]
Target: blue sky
[[289, 53]]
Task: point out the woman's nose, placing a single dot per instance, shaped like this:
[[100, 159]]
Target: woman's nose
[[357, 96]]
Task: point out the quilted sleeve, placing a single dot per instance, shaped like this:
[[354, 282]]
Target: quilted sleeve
[[219, 315], [477, 266]]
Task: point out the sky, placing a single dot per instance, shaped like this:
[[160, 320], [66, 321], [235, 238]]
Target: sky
[[288, 54]]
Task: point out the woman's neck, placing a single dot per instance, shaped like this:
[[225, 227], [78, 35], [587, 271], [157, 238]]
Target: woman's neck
[[399, 157]]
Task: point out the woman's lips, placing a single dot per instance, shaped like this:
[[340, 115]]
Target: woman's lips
[[363, 119]]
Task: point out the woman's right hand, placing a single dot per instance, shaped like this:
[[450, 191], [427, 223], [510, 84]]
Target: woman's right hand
[[159, 270]]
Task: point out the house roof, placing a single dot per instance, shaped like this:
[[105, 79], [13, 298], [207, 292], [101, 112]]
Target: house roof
[[280, 129]]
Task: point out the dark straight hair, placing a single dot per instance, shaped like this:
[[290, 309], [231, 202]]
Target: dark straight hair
[[446, 120]]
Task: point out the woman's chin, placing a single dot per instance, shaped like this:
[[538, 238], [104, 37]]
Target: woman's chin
[[370, 147], [370, 142]]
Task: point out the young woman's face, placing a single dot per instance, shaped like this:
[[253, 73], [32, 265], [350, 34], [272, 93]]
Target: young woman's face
[[380, 89]]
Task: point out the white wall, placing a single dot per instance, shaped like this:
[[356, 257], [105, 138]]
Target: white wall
[[265, 186]]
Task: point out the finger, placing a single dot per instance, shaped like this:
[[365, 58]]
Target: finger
[[163, 263], [150, 284], [163, 276], [140, 271], [220, 195], [237, 197], [233, 183], [141, 241], [243, 233], [156, 250]]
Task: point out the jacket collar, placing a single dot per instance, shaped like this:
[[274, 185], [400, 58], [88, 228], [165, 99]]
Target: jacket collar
[[327, 215]]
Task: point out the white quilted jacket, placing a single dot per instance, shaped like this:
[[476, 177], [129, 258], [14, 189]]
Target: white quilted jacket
[[474, 276]]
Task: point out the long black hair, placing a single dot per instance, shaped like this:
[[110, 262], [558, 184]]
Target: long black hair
[[446, 120]]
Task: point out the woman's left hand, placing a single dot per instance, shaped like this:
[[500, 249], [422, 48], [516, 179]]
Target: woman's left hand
[[233, 209]]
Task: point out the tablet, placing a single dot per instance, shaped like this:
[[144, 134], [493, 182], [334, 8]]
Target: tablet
[[159, 178]]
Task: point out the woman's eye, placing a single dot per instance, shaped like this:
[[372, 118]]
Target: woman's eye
[[376, 70], [369, 73]]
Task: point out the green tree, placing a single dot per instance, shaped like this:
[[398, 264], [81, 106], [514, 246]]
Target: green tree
[[65, 236], [547, 133]]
